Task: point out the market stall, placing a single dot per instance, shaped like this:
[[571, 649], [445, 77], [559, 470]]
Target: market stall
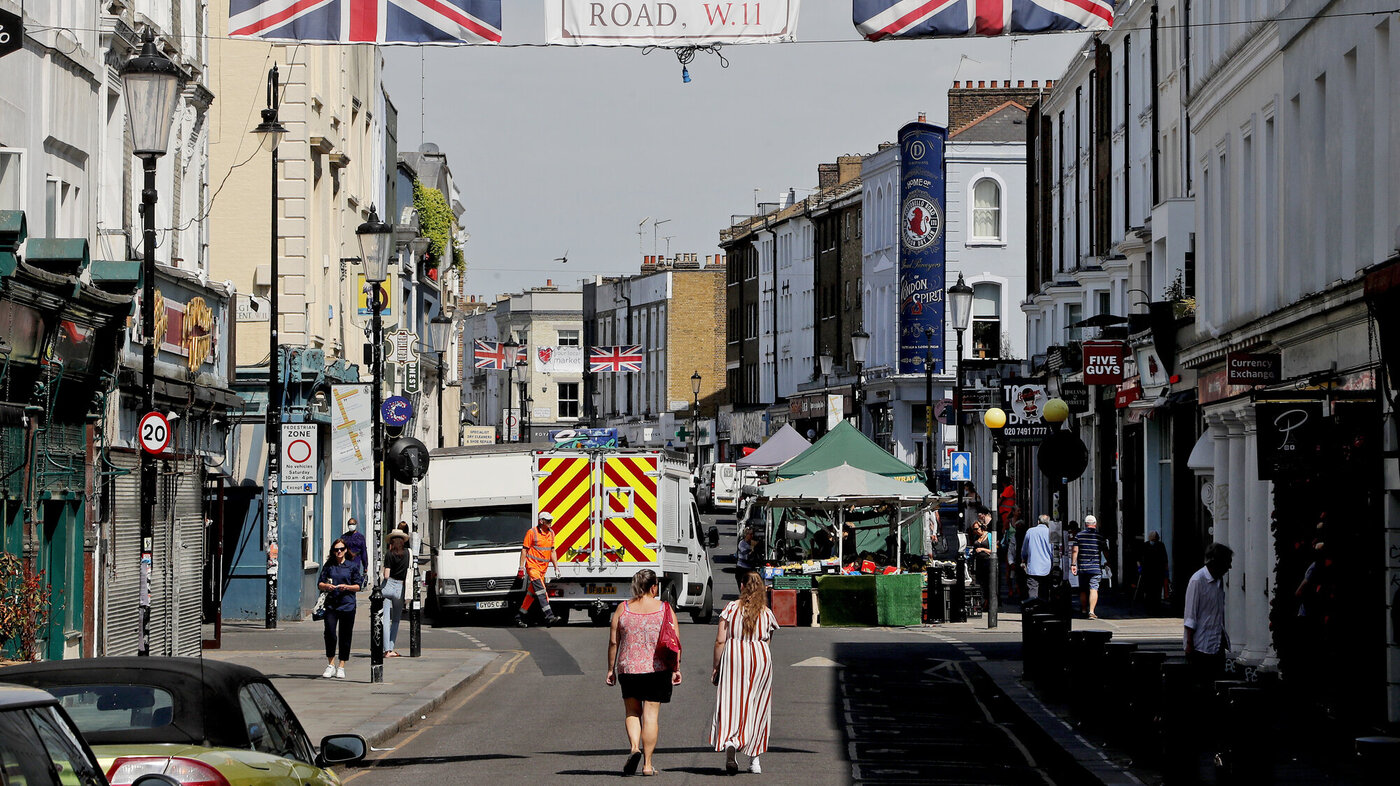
[[817, 525]]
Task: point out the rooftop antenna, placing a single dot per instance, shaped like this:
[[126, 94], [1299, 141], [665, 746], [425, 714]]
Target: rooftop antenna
[[641, 249], [654, 225]]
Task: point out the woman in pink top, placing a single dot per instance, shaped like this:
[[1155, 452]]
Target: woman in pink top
[[633, 661]]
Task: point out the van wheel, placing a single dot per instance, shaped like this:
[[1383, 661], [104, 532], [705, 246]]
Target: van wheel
[[602, 616], [706, 612]]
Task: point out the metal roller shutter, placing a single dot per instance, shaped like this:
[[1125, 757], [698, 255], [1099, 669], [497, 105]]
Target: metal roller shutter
[[187, 556], [122, 571]]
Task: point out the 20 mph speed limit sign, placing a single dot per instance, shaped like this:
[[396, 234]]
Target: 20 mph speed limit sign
[[154, 432]]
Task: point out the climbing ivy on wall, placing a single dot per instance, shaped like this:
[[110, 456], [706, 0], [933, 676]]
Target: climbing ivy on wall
[[434, 221]]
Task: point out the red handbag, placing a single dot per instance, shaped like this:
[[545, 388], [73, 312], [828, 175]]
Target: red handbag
[[668, 644]]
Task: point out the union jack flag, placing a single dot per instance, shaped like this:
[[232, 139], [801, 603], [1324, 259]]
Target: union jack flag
[[492, 355], [614, 359], [367, 21], [877, 19]]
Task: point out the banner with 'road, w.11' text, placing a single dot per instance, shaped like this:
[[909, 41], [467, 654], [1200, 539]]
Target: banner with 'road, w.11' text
[[673, 23]]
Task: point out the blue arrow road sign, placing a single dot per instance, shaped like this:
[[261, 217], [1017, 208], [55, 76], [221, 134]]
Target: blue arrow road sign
[[961, 467]]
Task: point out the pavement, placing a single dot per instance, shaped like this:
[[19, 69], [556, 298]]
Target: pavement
[[293, 656]]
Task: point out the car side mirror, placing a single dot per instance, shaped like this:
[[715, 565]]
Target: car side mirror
[[712, 537], [343, 749], [155, 779]]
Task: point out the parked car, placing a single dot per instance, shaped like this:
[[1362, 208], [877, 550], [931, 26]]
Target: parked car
[[200, 721], [40, 746]]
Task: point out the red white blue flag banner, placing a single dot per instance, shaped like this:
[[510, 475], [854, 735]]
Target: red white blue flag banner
[[493, 355], [367, 21], [878, 19], [615, 360]]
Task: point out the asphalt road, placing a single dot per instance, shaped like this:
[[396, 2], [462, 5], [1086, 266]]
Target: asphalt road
[[850, 706]]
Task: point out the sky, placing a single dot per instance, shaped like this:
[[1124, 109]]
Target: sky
[[565, 151]]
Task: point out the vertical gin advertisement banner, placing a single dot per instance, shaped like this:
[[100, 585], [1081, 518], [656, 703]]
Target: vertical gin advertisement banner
[[922, 247]]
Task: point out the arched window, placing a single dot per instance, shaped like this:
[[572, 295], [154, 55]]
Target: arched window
[[986, 210], [986, 320]]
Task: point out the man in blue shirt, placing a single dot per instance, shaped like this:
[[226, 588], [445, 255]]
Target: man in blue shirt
[[1085, 562], [1036, 556], [355, 542]]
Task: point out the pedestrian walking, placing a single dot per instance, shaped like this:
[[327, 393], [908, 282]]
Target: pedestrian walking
[[535, 558], [980, 546], [743, 559], [340, 579], [355, 542], [1006, 553], [395, 578], [1204, 638], [1036, 556], [743, 672], [1086, 562], [644, 657], [1153, 576]]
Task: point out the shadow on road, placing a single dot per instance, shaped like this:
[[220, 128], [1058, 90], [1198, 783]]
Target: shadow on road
[[413, 761]]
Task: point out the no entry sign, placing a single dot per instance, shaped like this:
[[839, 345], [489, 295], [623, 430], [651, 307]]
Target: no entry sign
[[154, 431], [299, 458]]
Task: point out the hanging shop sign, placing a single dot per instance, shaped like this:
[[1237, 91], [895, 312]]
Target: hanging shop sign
[[398, 347], [1152, 372], [352, 419], [1103, 362], [670, 24], [300, 457], [1290, 437], [12, 32], [1076, 395], [1251, 368], [982, 380], [1128, 392], [1025, 408], [922, 248]]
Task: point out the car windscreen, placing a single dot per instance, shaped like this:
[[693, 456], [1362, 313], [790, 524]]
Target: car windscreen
[[102, 708], [502, 525]]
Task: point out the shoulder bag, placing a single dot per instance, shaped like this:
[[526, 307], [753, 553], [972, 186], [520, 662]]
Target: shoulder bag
[[668, 644], [318, 611]]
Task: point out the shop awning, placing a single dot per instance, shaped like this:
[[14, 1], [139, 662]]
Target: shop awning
[[1202, 457]]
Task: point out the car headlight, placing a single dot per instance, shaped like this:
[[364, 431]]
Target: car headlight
[[447, 586]]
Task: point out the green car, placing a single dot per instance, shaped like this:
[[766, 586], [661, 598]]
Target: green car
[[204, 723]]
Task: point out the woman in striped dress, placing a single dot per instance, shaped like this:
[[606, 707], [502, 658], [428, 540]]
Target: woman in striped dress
[[743, 670]]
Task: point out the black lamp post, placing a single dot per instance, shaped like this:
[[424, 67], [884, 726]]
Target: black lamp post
[[440, 332], [860, 344], [512, 348], [695, 415], [926, 460], [597, 398], [376, 246], [270, 134], [995, 420], [151, 87], [960, 314]]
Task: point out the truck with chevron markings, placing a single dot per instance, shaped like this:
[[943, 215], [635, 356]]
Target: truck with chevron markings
[[617, 511]]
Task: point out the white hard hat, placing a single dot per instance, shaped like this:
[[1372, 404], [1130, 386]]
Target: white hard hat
[[546, 516]]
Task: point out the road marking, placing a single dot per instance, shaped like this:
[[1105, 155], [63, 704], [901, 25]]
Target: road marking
[[819, 662], [474, 640], [1010, 735], [506, 668]]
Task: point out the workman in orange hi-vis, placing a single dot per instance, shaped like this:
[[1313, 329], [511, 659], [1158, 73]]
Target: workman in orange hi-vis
[[535, 559]]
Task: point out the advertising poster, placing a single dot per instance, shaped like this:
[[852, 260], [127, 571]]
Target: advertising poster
[[922, 247], [1025, 412]]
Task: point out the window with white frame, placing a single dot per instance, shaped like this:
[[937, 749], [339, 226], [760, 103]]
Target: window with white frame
[[986, 320], [568, 400], [568, 338], [11, 179], [986, 211]]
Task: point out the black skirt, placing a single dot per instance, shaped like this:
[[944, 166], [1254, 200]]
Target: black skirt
[[655, 686]]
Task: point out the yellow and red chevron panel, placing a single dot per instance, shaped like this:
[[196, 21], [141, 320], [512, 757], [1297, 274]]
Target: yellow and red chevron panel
[[564, 488], [629, 530]]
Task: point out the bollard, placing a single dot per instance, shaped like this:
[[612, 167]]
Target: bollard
[[1036, 667], [1116, 670], [1055, 653], [1144, 696], [1028, 611], [934, 611], [1250, 729], [957, 611], [1175, 726], [376, 634], [1086, 672], [1377, 759]]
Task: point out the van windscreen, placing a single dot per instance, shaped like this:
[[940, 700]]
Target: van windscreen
[[503, 525]]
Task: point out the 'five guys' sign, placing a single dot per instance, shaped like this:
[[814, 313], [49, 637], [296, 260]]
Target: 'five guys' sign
[[1103, 362]]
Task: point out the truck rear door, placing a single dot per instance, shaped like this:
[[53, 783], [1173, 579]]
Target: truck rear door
[[564, 486], [628, 491]]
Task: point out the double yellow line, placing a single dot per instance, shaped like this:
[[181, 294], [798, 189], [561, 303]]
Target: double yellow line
[[508, 667]]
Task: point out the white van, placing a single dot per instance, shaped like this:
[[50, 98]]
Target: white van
[[725, 483]]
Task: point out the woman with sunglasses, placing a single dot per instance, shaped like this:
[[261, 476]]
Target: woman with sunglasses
[[342, 579]]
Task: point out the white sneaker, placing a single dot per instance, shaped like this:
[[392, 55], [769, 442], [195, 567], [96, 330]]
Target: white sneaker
[[329, 672], [754, 768], [340, 673]]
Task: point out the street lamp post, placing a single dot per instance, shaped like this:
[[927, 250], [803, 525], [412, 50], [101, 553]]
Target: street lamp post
[[440, 331], [860, 344], [695, 416], [826, 362], [270, 133], [376, 245], [151, 87], [960, 314], [512, 348], [995, 420]]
